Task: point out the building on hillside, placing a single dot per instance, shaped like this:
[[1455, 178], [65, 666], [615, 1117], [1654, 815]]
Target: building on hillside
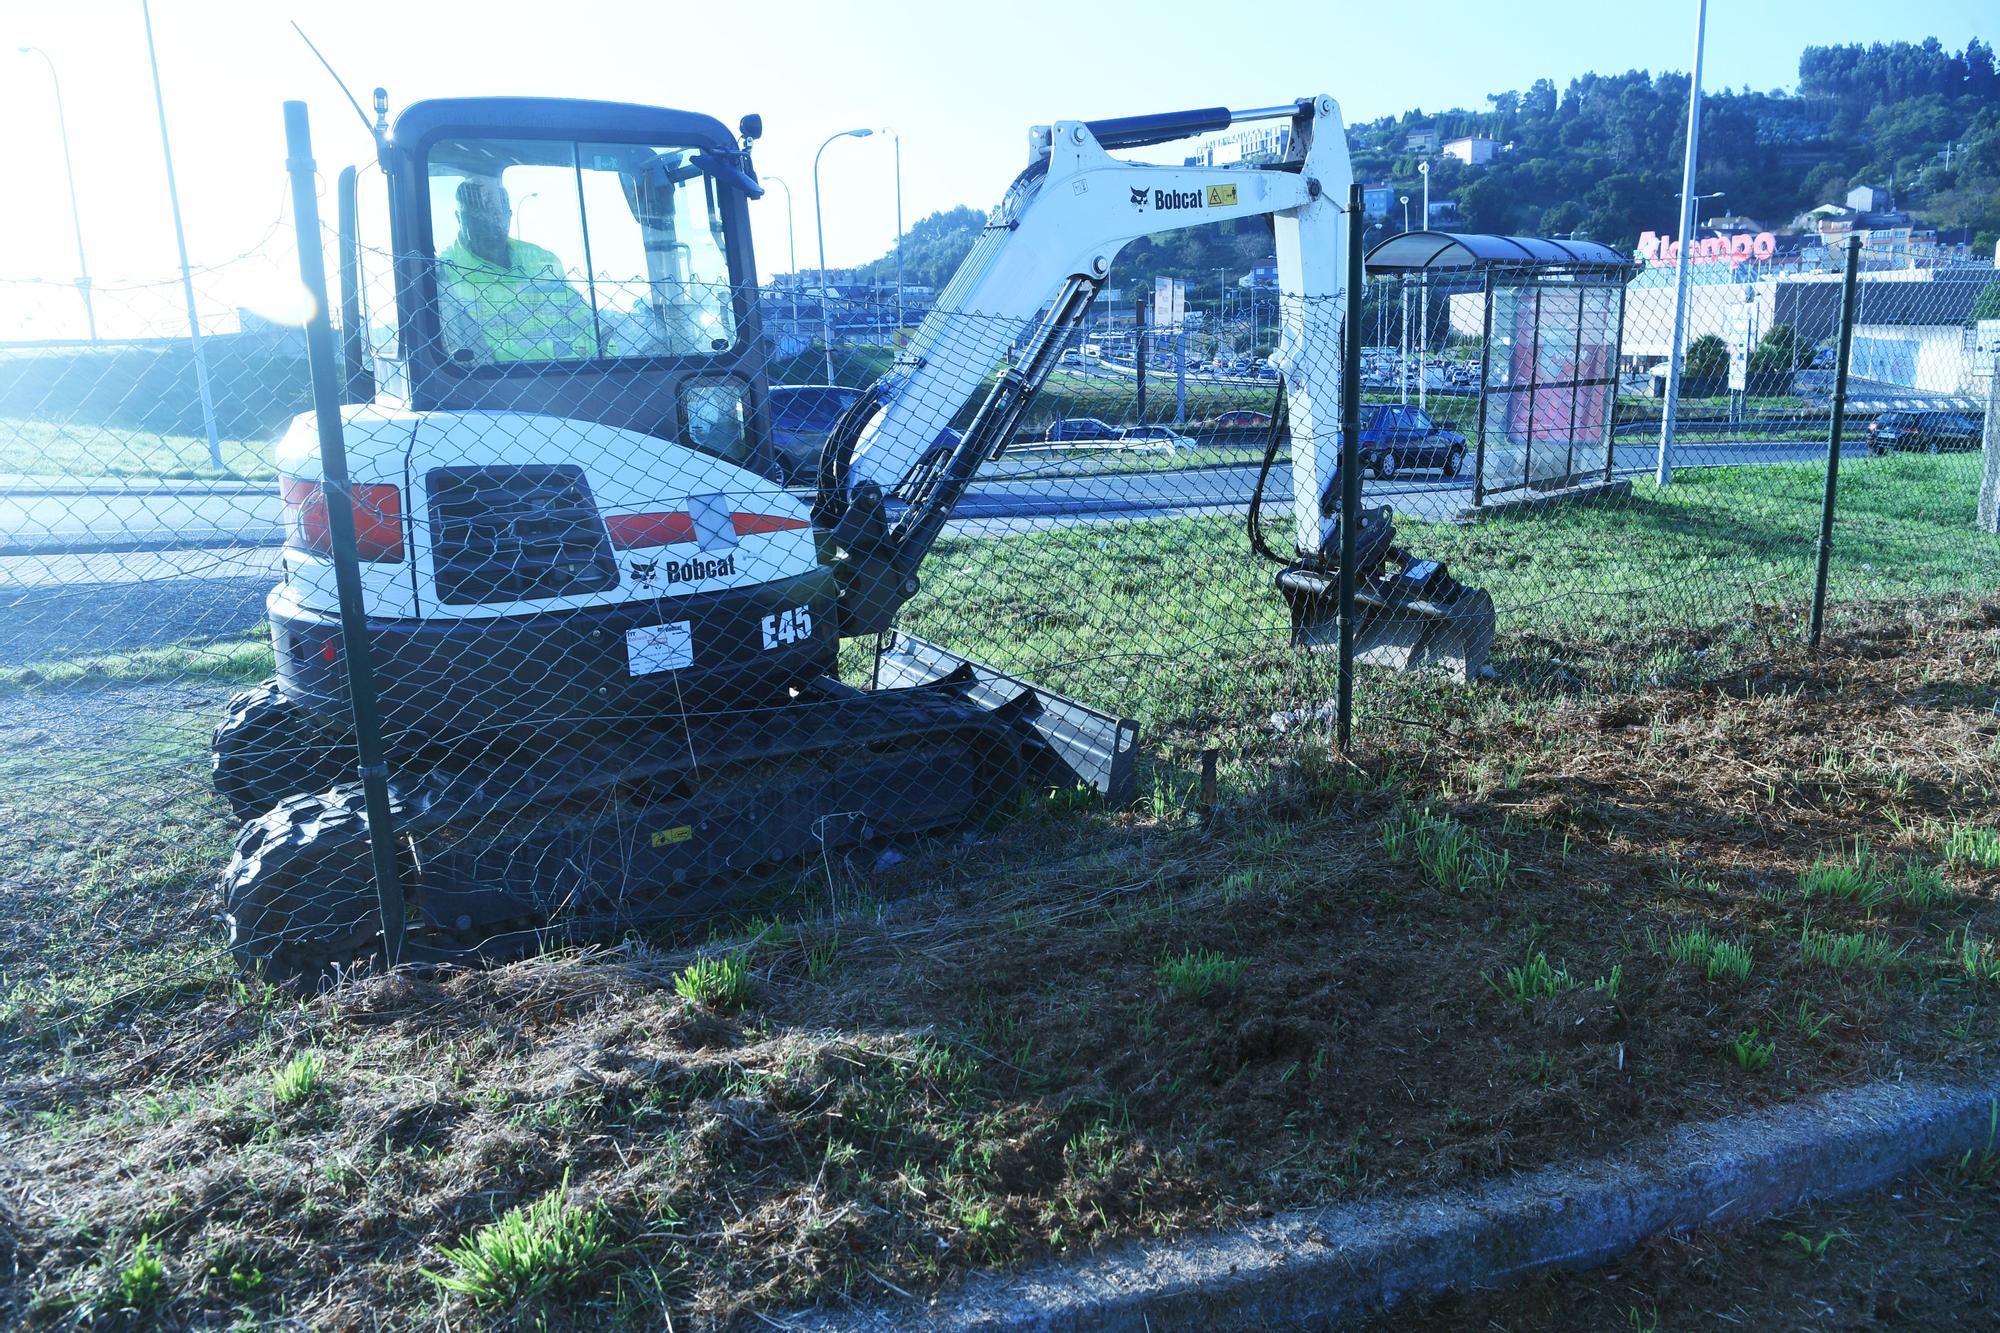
[[1260, 145], [1869, 199], [1377, 200], [1423, 140], [1444, 213], [1472, 151]]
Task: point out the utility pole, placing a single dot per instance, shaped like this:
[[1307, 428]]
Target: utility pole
[[1663, 470], [69, 170], [180, 239]]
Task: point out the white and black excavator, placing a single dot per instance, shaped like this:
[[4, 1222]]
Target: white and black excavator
[[605, 637]]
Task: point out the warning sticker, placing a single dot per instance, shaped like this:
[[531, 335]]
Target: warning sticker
[[668, 836], [651, 649], [1220, 196]]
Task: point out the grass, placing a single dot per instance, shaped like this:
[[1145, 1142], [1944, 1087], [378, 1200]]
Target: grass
[[1975, 845], [1198, 974], [1446, 851], [1535, 980], [245, 659], [1718, 959], [84, 452], [545, 1249], [721, 981], [1854, 949], [298, 1080], [1752, 1055]]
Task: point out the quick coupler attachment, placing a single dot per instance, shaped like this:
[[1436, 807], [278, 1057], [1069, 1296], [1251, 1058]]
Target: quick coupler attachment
[[1409, 614]]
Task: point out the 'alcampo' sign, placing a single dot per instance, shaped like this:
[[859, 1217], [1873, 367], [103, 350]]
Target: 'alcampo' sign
[[1730, 250]]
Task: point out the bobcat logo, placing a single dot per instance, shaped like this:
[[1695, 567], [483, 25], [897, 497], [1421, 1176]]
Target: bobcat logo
[[644, 572], [1139, 197]]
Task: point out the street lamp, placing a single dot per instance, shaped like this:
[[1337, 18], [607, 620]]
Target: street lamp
[[1406, 211], [791, 247], [521, 208], [76, 218], [899, 222], [819, 225], [1424, 294], [180, 240], [1697, 216]]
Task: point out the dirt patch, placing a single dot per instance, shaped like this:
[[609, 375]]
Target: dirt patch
[[1523, 929]]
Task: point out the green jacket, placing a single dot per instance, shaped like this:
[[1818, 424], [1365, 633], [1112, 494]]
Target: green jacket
[[524, 312]]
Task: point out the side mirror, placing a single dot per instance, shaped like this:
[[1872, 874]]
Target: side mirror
[[751, 127]]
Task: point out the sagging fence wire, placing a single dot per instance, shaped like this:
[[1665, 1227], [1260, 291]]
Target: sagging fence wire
[[617, 682]]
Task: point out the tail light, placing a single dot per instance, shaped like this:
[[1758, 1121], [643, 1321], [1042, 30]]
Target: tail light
[[378, 520]]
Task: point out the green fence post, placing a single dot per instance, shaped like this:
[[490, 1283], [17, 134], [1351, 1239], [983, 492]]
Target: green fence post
[[373, 770], [1833, 442]]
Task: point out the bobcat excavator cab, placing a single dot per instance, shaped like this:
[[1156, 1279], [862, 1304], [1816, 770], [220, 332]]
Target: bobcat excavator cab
[[605, 637]]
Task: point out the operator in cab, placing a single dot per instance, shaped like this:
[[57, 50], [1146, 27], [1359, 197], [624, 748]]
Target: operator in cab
[[504, 299]]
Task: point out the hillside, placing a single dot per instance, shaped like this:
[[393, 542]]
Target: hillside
[[1602, 158]]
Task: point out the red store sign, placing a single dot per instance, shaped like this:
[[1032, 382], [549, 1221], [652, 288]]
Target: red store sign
[[1730, 250]]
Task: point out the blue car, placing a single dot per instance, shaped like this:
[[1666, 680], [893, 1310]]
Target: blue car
[[1398, 437]]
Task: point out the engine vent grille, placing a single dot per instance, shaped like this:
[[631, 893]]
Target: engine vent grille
[[510, 534]]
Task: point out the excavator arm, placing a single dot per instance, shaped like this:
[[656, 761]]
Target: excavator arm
[[1040, 261]]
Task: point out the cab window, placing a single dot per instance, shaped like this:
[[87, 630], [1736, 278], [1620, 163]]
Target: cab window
[[550, 250]]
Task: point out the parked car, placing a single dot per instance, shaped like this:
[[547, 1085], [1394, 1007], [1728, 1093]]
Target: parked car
[[1397, 437], [1928, 432], [1080, 428], [1165, 439], [802, 416], [1241, 419]]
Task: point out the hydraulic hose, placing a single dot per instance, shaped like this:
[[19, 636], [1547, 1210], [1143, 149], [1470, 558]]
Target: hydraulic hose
[[1277, 435]]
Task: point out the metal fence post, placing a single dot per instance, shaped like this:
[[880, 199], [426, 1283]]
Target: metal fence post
[[339, 494], [1350, 468], [1485, 374], [1138, 359], [1989, 469], [1833, 443]]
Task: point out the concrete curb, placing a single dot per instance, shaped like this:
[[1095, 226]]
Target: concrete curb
[[1319, 1267]]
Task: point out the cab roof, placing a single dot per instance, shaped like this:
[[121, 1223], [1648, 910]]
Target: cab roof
[[557, 117]]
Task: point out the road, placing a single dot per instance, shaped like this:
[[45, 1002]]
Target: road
[[198, 559]]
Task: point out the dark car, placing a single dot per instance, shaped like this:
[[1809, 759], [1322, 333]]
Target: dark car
[[1081, 428], [1398, 437], [1927, 432], [802, 416], [1242, 419]]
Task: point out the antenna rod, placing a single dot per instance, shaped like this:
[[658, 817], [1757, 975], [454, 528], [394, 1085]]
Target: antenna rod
[[365, 124]]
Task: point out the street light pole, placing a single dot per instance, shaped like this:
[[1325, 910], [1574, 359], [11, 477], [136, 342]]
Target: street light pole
[[180, 239], [69, 170], [1424, 294], [1403, 312], [899, 222], [819, 225], [1663, 466], [791, 246]]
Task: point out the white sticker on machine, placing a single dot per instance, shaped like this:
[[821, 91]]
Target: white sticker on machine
[[650, 649]]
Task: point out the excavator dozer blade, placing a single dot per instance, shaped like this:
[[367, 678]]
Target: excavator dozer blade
[[1070, 745]]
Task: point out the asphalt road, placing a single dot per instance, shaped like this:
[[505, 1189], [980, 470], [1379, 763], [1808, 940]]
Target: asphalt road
[[184, 581]]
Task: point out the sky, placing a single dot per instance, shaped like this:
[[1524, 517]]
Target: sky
[[960, 83]]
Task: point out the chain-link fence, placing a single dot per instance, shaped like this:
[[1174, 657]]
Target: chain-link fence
[[672, 591]]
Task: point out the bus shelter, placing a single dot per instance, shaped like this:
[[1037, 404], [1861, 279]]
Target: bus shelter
[[1548, 315]]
